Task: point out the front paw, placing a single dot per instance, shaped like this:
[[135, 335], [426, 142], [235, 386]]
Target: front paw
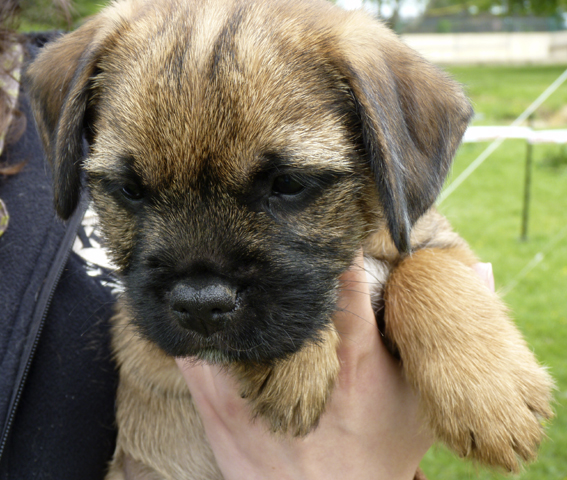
[[481, 389], [291, 394], [495, 419]]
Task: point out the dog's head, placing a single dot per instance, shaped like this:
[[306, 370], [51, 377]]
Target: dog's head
[[239, 153]]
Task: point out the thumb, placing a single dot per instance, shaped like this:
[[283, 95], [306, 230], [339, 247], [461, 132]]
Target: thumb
[[355, 320]]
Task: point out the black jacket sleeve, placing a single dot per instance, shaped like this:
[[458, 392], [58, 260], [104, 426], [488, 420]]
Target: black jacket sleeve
[[57, 380]]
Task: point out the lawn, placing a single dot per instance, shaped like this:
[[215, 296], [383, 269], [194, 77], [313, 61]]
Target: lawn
[[42, 15], [500, 95], [486, 211]]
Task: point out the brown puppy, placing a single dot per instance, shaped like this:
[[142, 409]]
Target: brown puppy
[[240, 152]]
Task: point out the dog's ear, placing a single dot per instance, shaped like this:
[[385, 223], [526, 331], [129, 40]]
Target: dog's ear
[[59, 83], [413, 118]]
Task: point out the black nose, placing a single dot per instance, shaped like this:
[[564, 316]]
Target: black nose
[[203, 306]]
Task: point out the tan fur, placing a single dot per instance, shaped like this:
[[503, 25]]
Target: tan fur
[[466, 359], [158, 424], [293, 393], [331, 89]]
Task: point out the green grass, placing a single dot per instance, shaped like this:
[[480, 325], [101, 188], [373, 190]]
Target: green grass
[[41, 15], [500, 94], [486, 210]]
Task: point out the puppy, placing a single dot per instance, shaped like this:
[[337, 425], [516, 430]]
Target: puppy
[[240, 153]]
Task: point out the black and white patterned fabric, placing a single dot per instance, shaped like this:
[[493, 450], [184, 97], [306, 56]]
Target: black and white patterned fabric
[[89, 246]]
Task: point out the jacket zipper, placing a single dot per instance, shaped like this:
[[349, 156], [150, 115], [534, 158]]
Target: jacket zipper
[[40, 313]]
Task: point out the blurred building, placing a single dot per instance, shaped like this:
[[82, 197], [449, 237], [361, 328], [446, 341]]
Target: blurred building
[[517, 48], [483, 38], [465, 23]]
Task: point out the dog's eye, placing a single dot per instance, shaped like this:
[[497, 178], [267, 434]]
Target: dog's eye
[[132, 192], [286, 185]]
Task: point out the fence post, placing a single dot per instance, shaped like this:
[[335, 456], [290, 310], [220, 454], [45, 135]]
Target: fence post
[[527, 187]]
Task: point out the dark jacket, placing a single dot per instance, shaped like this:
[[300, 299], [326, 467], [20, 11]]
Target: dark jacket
[[57, 378]]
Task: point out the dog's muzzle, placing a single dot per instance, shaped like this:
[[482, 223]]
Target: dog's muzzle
[[204, 305]]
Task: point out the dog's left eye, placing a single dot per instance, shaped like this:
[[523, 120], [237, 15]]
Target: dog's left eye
[[132, 192], [286, 185]]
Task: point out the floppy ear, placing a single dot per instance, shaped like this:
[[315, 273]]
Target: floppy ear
[[60, 84], [413, 118]]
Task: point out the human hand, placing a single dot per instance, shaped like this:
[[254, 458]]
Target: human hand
[[484, 271], [371, 427]]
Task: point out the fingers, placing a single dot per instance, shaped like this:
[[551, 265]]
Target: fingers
[[354, 311], [207, 382], [484, 271], [355, 320]]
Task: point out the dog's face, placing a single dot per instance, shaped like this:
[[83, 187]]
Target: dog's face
[[231, 200], [240, 152]]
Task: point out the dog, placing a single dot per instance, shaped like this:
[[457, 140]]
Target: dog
[[240, 152]]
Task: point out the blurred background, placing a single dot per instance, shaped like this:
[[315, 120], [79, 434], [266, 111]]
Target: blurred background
[[506, 53]]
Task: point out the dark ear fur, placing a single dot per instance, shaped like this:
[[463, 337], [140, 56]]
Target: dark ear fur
[[413, 118], [59, 85]]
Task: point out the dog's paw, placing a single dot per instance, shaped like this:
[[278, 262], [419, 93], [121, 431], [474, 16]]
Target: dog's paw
[[291, 394], [481, 389], [496, 420]]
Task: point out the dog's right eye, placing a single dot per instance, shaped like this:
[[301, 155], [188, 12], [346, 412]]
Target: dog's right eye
[[132, 192], [286, 185]]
